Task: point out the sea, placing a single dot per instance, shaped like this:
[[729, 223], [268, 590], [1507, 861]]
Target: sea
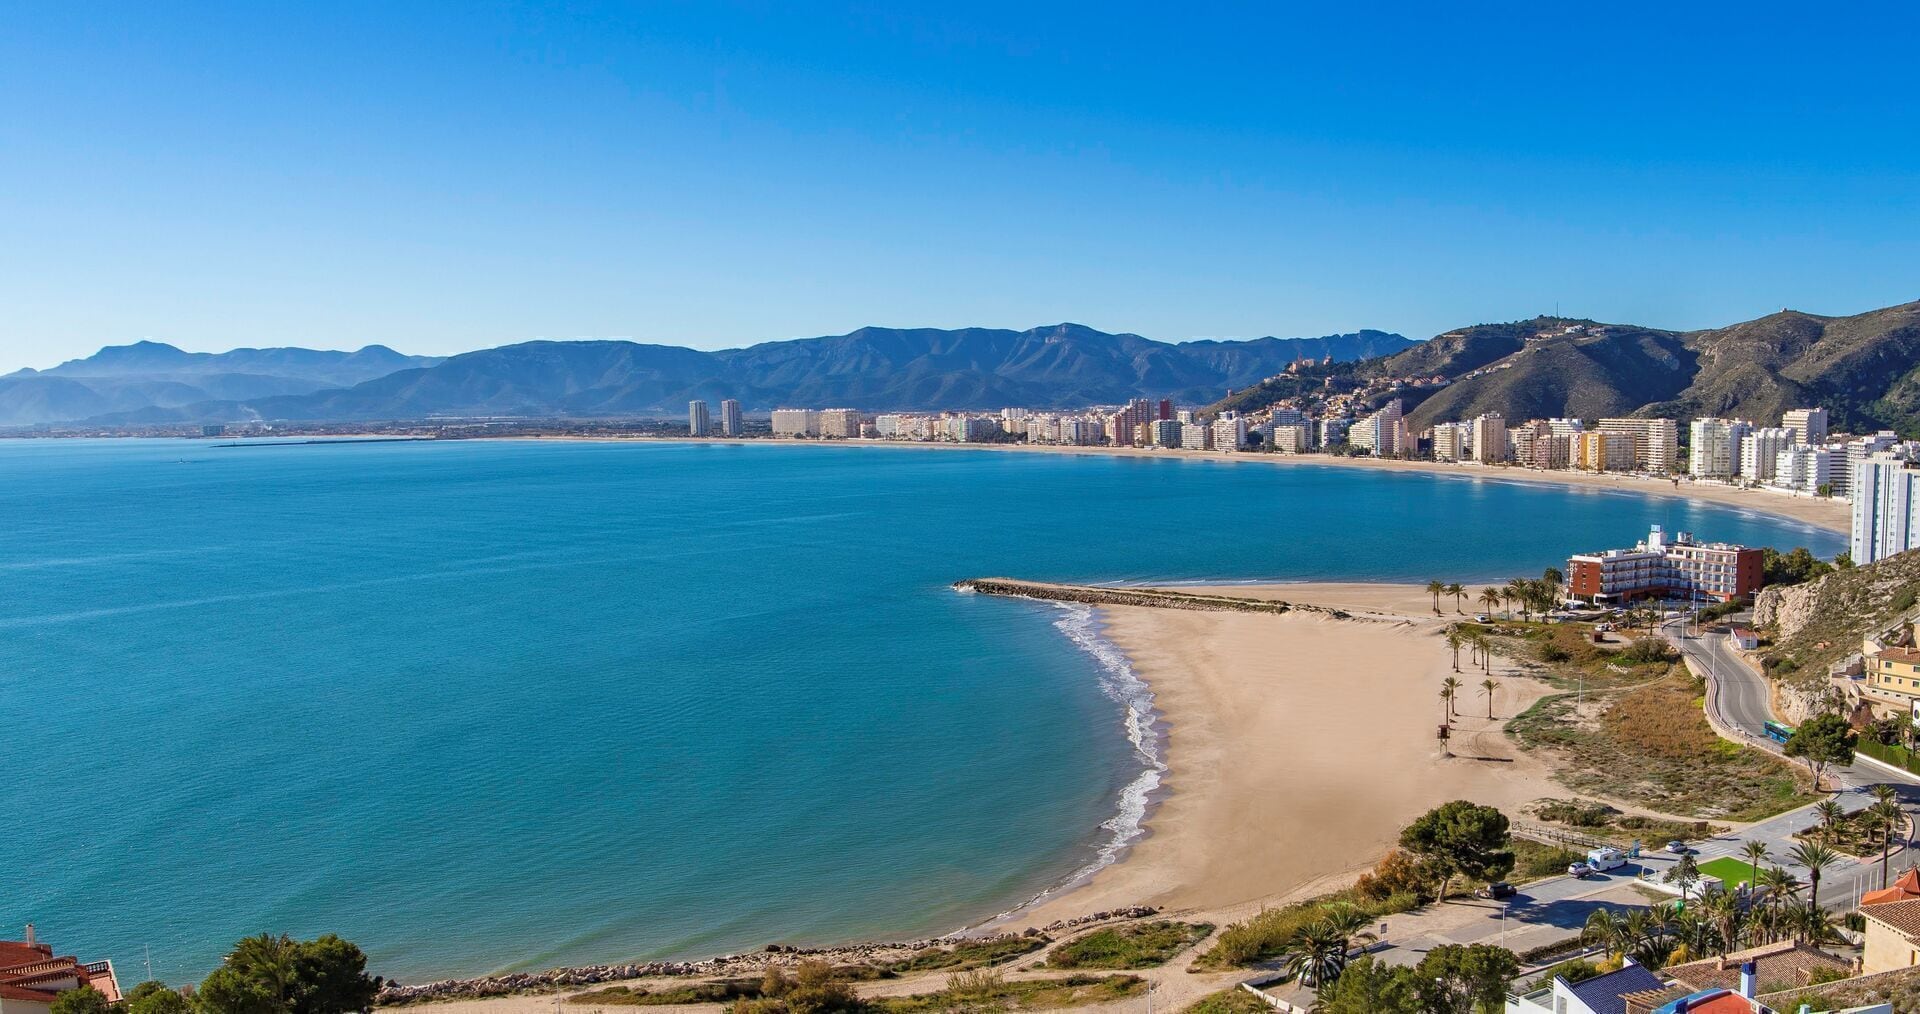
[[483, 706]]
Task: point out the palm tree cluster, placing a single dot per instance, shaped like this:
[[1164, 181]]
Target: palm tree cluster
[[1721, 922], [1317, 953]]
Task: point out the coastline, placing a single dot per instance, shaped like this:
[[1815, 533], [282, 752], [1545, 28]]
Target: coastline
[[1254, 805], [1830, 515]]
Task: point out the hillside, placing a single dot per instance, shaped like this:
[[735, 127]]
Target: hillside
[[876, 369], [1816, 624], [152, 375], [1864, 369]]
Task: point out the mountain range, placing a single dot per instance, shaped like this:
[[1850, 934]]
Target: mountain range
[[150, 376], [874, 368], [1864, 368]]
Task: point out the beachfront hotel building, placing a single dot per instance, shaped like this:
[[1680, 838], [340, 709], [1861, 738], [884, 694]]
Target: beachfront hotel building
[[697, 422], [31, 976], [1605, 451], [1658, 567], [1886, 508], [730, 423], [840, 423], [1384, 432], [1803, 469], [1450, 441]]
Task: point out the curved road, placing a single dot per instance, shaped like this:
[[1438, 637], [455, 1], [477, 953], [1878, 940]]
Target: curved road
[[1738, 698]]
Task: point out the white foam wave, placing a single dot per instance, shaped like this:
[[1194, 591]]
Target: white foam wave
[[1120, 683]]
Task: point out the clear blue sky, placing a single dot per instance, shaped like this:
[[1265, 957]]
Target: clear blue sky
[[441, 177]]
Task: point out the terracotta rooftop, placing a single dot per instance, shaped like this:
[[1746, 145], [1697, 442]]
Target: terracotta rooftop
[[1786, 964], [1909, 656], [30, 971], [1903, 889], [1902, 916]]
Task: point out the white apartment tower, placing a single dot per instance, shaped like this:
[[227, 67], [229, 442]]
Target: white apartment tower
[[698, 424], [1713, 450], [1886, 508], [730, 418], [1760, 450]]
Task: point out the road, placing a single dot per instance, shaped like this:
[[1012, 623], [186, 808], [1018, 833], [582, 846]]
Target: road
[[1739, 698]]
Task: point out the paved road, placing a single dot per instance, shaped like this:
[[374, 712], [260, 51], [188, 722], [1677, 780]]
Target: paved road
[[1739, 698]]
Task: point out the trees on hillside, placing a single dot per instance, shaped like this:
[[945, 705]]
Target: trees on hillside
[[269, 974], [1451, 979]]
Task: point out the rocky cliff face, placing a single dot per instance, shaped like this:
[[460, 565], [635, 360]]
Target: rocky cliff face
[[1787, 610], [1822, 622]]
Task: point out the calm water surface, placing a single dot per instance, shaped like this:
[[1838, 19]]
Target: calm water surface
[[481, 706]]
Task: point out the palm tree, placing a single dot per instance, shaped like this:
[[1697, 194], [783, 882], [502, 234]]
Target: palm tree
[[1486, 652], [1454, 640], [1831, 813], [1316, 954], [1487, 687], [1517, 590], [1554, 579], [1756, 853], [1813, 924], [1606, 929], [1491, 598], [1887, 812], [1436, 589], [1723, 909], [1349, 922], [1458, 592], [1781, 884], [268, 960], [1817, 859], [1451, 688]]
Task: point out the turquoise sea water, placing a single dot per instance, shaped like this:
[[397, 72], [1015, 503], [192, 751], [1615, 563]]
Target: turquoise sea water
[[502, 705]]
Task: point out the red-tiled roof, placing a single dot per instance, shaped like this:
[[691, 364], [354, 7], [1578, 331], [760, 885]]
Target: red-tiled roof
[[1903, 889]]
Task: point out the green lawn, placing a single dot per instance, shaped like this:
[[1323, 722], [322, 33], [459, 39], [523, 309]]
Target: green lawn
[[1732, 872]]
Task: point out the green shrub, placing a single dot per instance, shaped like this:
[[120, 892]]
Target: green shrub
[[1229, 1001], [1137, 945]]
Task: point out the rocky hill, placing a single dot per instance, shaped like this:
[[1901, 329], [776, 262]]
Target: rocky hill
[[1864, 369], [1821, 622]]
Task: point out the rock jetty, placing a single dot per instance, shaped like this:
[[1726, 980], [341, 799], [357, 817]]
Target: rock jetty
[[1155, 598]]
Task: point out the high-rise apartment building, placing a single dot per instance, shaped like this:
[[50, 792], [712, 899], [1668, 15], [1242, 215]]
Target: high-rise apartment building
[[839, 423], [1760, 450], [1656, 442], [1808, 425], [730, 424], [796, 422], [1803, 468], [1450, 441], [697, 422], [1490, 438], [1886, 508], [1713, 448]]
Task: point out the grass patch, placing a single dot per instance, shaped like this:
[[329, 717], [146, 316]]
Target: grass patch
[[1229, 1001], [1650, 744], [1732, 872], [969, 954], [987, 990], [1137, 945]]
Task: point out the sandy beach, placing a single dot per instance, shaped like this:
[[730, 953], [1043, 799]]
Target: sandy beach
[[1832, 515], [1298, 746]]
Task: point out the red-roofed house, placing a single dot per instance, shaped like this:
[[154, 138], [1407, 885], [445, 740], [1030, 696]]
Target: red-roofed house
[[31, 976], [1906, 888]]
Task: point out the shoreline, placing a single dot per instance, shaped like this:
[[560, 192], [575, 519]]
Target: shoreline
[[1832, 516], [1244, 815]]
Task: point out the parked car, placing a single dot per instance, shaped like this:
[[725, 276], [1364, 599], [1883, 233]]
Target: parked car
[[1579, 870], [1496, 890], [1483, 618], [1680, 848]]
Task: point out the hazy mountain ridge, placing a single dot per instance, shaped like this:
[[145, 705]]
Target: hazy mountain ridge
[[873, 368], [150, 375]]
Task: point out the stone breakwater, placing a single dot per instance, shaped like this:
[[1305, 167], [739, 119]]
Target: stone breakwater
[[1156, 598], [730, 966]]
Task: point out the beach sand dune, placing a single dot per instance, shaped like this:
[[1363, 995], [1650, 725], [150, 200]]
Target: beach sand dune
[[1298, 746]]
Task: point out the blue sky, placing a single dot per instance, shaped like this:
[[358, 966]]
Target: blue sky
[[440, 177]]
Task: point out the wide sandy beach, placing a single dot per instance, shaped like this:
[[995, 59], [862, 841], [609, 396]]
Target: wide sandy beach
[[1298, 745]]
